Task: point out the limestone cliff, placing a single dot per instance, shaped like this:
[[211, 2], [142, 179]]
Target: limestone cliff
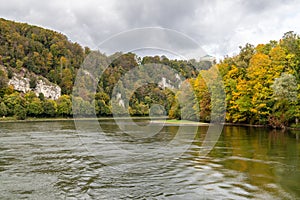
[[21, 82]]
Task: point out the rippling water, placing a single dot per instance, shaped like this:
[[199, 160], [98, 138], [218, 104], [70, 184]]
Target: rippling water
[[50, 160]]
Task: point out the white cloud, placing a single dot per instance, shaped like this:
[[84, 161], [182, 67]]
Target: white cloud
[[219, 26]]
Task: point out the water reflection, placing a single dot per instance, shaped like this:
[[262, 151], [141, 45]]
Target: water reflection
[[266, 161], [48, 160]]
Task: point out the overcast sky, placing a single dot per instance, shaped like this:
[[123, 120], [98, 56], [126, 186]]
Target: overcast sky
[[220, 27]]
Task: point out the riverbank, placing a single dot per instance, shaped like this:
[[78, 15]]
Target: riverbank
[[13, 119], [35, 119], [157, 120]]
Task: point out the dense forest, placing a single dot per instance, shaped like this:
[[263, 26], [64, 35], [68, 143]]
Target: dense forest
[[261, 83], [51, 55]]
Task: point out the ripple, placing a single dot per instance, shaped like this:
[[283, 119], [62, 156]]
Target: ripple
[[49, 161]]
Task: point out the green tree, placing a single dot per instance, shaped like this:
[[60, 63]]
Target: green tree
[[50, 108], [285, 88], [34, 108], [20, 112], [82, 107], [41, 96], [102, 105], [11, 101], [3, 109], [285, 96], [189, 107], [32, 82], [64, 106]]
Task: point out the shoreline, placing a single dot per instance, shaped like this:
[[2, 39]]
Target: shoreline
[[37, 119], [157, 120]]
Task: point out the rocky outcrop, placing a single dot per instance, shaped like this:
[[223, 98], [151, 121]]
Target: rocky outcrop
[[48, 89], [164, 83], [120, 100], [20, 83]]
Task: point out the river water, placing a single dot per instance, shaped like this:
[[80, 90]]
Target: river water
[[51, 160]]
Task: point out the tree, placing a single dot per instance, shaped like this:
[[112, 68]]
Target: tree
[[32, 82], [12, 101], [64, 106], [189, 107], [246, 53], [41, 96], [19, 64], [260, 75], [3, 109], [67, 82], [174, 112], [203, 98], [20, 112], [285, 96], [285, 88], [50, 108], [34, 108], [3, 79], [82, 107], [102, 106]]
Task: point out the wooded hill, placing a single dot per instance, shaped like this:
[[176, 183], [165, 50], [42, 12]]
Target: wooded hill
[[261, 83], [50, 54]]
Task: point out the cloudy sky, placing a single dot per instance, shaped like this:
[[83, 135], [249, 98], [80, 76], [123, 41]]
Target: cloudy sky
[[218, 26]]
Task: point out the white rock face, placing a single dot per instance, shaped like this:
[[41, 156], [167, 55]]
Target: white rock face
[[120, 100], [51, 91], [21, 84], [165, 83]]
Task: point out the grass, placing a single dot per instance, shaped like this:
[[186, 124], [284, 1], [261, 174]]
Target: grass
[[181, 122], [5, 119]]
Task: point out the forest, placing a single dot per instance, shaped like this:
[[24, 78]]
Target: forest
[[261, 83]]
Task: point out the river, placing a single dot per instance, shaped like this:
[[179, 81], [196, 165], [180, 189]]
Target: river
[[51, 160]]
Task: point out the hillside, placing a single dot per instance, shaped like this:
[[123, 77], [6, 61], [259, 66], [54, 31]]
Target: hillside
[[41, 51], [32, 58]]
